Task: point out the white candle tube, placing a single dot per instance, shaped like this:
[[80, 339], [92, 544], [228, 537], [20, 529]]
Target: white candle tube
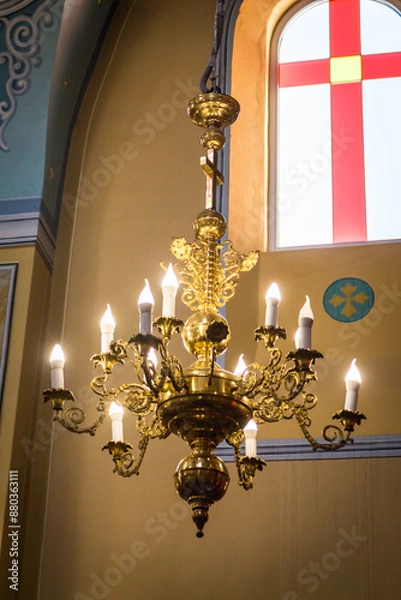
[[116, 413], [272, 300], [251, 432], [107, 326], [305, 322], [57, 361], [169, 290], [146, 303], [352, 385]]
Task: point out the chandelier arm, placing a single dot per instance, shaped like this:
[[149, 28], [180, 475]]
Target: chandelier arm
[[138, 398], [72, 418], [171, 366], [176, 375], [334, 436], [235, 440], [152, 379], [125, 464], [154, 429], [267, 381], [246, 465], [107, 360], [273, 408]]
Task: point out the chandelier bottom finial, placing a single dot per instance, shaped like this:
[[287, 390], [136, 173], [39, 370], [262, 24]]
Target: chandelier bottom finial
[[201, 479]]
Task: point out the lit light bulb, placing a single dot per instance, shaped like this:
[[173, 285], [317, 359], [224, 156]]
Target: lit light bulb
[[353, 382], [146, 296], [116, 412], [57, 362], [241, 366], [145, 306], [305, 322], [107, 326], [169, 290], [251, 432], [272, 299], [152, 357]]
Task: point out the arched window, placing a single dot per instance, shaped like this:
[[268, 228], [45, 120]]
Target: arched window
[[339, 125]]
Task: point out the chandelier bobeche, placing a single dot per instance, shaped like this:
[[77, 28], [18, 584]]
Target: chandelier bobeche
[[203, 403]]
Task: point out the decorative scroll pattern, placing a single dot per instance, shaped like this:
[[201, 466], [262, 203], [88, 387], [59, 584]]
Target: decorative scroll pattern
[[209, 271], [22, 36]]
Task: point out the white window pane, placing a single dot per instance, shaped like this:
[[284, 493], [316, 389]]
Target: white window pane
[[306, 36], [382, 140], [304, 207], [380, 28]]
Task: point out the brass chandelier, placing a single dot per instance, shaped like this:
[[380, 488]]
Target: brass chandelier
[[203, 403]]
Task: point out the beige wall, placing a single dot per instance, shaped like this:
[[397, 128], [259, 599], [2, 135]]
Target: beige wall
[[21, 396], [106, 537]]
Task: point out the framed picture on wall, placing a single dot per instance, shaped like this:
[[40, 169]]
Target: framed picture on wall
[[8, 275]]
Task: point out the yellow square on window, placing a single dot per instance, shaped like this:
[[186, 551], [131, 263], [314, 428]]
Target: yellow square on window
[[345, 69]]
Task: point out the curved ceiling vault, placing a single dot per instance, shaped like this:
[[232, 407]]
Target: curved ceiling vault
[[48, 49]]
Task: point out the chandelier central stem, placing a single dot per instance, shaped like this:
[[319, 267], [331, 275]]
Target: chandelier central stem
[[213, 177], [210, 273]]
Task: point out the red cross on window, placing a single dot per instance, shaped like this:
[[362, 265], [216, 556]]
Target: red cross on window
[[345, 70]]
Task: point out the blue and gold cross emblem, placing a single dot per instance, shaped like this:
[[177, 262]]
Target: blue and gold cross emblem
[[348, 299]]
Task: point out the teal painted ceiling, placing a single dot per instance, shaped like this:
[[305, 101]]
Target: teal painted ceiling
[[47, 51]]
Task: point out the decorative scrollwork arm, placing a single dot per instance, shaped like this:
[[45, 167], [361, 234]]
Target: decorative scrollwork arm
[[125, 463], [246, 465], [333, 435], [73, 417]]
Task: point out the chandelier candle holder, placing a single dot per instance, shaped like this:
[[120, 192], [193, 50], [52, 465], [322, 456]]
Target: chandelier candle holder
[[203, 403]]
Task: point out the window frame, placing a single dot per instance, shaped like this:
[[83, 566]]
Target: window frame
[[272, 120]]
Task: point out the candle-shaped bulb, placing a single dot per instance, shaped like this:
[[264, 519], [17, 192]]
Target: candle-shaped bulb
[[305, 322], [145, 306], [57, 361], [306, 310], [169, 290], [353, 376], [241, 366], [116, 409], [152, 357], [146, 296], [272, 299], [297, 339], [116, 412], [107, 326], [352, 384], [250, 432]]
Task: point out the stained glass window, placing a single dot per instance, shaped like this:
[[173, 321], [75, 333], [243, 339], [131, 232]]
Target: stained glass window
[[339, 125]]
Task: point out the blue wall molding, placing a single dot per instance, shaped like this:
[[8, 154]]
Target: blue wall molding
[[364, 446], [23, 224]]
